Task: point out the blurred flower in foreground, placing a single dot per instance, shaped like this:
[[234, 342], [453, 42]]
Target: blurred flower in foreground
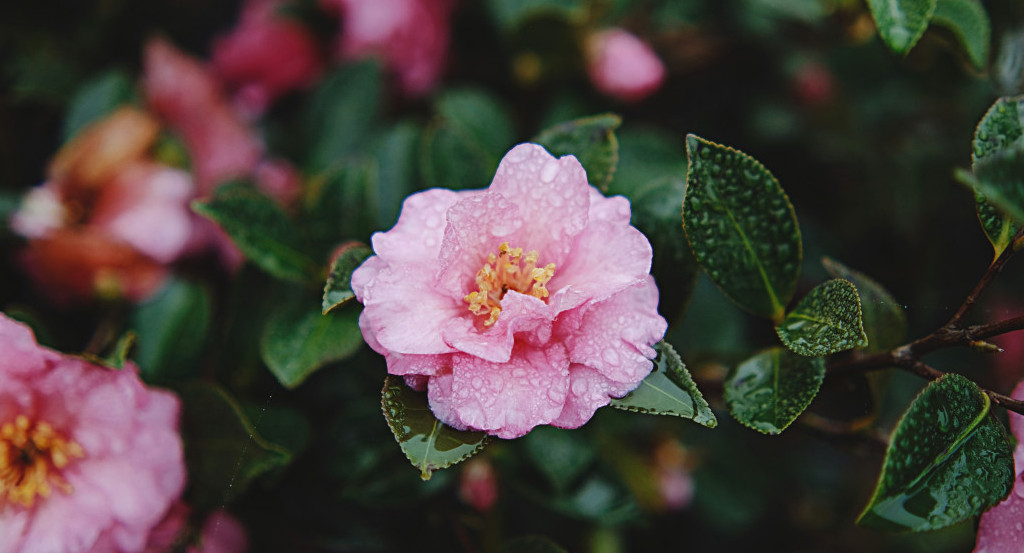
[[478, 486], [674, 482], [265, 56], [1001, 529], [526, 303], [623, 66], [90, 458], [409, 36], [222, 533], [108, 220]]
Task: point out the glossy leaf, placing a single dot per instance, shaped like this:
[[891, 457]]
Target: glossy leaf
[[741, 227], [171, 328], [999, 179], [462, 147], [338, 289], [97, 98], [885, 320], [999, 129], [771, 389], [224, 450], [668, 390], [901, 23], [969, 23], [261, 229], [947, 461], [298, 340], [341, 113], [826, 321], [428, 443], [592, 140]]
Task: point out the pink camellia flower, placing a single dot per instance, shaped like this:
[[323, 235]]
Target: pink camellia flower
[[478, 485], [222, 533], [90, 458], [265, 56], [409, 36], [623, 66], [1001, 529], [526, 303]]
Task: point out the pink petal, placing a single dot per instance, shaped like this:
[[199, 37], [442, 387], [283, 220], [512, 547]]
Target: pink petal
[[418, 234], [20, 352], [476, 226], [606, 258], [589, 390], [1001, 529], [523, 318], [623, 66], [405, 313]]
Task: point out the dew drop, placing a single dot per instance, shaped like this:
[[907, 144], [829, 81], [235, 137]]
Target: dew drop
[[610, 356], [549, 171]]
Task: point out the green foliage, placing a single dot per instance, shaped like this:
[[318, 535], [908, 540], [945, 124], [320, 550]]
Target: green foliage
[[118, 355], [999, 130], [827, 320], [463, 145], [171, 328], [560, 455], [298, 340], [885, 320], [338, 289], [999, 180], [224, 451], [531, 544], [341, 113], [948, 460], [96, 98], [742, 227], [769, 391], [668, 390], [428, 443], [592, 140], [337, 203], [968, 22], [396, 153], [510, 14], [261, 229], [901, 23]]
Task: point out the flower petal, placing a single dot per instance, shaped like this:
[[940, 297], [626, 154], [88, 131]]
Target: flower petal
[[417, 236], [589, 390], [404, 312], [606, 258]]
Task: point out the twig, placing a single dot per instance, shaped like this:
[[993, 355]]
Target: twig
[[990, 274]]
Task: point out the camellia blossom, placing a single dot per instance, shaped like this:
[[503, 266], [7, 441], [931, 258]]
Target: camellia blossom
[[526, 303], [409, 36], [90, 458], [623, 66], [1001, 529]]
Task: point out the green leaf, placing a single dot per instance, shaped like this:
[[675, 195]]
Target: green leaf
[[969, 23], [885, 320], [397, 171], [668, 390], [428, 443], [224, 450], [118, 356], [1000, 128], [769, 391], [510, 14], [826, 321], [999, 179], [592, 140], [261, 229], [947, 461], [902, 22], [341, 113], [172, 330], [338, 290], [560, 455], [337, 205], [462, 147], [298, 340], [741, 227], [96, 98], [531, 544]]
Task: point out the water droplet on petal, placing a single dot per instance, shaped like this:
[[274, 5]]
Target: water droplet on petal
[[549, 171], [610, 356]]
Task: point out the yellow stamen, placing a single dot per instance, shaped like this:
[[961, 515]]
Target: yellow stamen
[[509, 270], [31, 457]]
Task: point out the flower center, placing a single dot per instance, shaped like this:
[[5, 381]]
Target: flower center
[[31, 458], [509, 270]]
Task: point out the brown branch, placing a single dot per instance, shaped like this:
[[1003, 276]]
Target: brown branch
[[990, 274], [1006, 402]]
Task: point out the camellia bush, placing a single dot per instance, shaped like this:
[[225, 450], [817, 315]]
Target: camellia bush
[[512, 275]]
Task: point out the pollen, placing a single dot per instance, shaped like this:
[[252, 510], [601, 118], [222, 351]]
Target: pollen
[[32, 457], [508, 270]]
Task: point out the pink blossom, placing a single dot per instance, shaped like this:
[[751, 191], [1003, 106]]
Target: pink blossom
[[478, 485], [409, 36], [106, 459], [1001, 529], [526, 303], [222, 533], [265, 56], [623, 66]]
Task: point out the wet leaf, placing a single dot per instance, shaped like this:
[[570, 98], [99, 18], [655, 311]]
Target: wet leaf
[[741, 227], [338, 289], [826, 321], [999, 130], [299, 340], [668, 390], [969, 23], [428, 443], [592, 140], [947, 461], [999, 179], [885, 320], [771, 389], [901, 23]]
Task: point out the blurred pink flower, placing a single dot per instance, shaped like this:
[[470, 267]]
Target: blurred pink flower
[[526, 303], [623, 66], [478, 485], [267, 55], [409, 36], [90, 458], [1001, 529], [222, 533], [106, 223]]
